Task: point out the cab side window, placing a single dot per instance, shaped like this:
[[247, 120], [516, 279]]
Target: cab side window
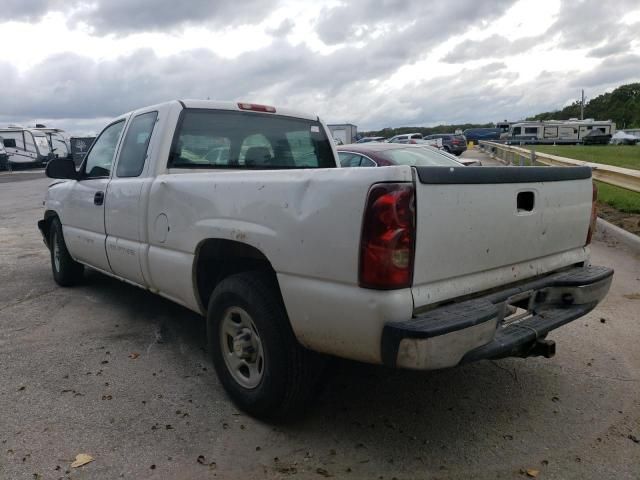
[[100, 158], [135, 145]]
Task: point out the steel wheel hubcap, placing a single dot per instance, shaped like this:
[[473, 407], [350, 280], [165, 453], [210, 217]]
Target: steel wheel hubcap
[[241, 347]]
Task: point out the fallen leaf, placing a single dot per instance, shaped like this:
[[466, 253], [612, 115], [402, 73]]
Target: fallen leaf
[[632, 296], [323, 472], [532, 473], [134, 355], [81, 459], [633, 438]]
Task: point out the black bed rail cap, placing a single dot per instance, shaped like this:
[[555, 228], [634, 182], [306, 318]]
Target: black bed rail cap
[[488, 175]]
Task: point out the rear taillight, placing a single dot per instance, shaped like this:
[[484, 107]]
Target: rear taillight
[[387, 242], [594, 214]]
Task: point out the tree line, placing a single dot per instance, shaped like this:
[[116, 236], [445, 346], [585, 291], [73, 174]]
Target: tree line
[[622, 106]]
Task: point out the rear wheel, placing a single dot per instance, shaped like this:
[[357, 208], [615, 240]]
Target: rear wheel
[[446, 149], [261, 365], [66, 271]]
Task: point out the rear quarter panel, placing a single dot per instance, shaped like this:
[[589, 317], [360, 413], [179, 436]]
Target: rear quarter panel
[[306, 222]]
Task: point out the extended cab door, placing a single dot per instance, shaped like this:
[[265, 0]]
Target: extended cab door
[[83, 218], [125, 215]]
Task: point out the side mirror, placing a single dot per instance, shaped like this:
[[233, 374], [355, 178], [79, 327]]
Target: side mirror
[[61, 168], [9, 142]]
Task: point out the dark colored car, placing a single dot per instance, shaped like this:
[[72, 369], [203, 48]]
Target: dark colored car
[[387, 154], [597, 137], [370, 139], [452, 143], [476, 134]]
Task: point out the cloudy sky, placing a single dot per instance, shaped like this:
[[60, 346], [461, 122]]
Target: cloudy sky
[[77, 63]]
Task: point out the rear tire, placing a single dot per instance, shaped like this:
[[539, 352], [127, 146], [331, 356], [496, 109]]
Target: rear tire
[[260, 363], [66, 271]]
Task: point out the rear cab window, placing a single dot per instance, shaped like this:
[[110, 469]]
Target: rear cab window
[[246, 140]]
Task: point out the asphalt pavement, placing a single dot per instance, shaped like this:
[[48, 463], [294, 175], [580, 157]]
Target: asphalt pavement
[[112, 371]]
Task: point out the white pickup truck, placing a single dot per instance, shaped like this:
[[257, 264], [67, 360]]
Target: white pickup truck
[[240, 212]]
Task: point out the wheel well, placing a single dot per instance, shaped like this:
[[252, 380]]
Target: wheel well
[[49, 216], [216, 259]]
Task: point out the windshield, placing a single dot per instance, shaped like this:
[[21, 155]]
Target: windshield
[[418, 157], [228, 139]]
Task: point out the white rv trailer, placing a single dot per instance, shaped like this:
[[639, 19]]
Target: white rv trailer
[[563, 131], [26, 146], [59, 141]]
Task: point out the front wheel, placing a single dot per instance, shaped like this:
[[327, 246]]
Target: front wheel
[[261, 365], [66, 271]]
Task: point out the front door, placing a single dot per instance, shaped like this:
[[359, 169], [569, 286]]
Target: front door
[[124, 214], [83, 216]]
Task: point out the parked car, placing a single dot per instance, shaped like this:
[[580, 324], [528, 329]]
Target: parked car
[[370, 139], [477, 134], [405, 138], [289, 257], [452, 143], [597, 137], [388, 154], [467, 162]]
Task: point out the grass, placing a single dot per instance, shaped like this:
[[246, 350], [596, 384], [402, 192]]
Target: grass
[[619, 198], [627, 156]]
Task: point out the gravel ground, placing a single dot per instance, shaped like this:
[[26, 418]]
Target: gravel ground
[[115, 372]]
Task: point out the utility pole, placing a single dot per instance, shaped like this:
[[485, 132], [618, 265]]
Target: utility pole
[[582, 106]]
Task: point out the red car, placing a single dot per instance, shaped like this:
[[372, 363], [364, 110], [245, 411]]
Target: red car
[[386, 154]]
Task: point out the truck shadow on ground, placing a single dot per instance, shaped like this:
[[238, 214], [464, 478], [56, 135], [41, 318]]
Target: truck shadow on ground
[[381, 415]]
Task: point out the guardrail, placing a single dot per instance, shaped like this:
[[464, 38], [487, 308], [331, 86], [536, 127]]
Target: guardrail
[[510, 155]]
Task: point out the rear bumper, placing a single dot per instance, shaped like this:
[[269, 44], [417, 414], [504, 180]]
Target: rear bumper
[[481, 328]]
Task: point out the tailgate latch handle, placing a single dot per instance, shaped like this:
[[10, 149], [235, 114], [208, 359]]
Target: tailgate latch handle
[[525, 201]]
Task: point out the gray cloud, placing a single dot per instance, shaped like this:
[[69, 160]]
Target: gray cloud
[[495, 46], [358, 20], [126, 16], [73, 90], [79, 92], [611, 71], [282, 30], [579, 24], [611, 48], [587, 23]]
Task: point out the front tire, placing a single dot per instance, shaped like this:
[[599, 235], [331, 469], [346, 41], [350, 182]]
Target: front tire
[[260, 363], [66, 271]]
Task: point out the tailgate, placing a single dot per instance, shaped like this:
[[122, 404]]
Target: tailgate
[[473, 222]]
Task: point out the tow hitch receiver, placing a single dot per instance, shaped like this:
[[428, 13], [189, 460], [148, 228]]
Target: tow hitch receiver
[[543, 348]]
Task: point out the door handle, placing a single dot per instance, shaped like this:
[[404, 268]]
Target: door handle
[[98, 198]]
